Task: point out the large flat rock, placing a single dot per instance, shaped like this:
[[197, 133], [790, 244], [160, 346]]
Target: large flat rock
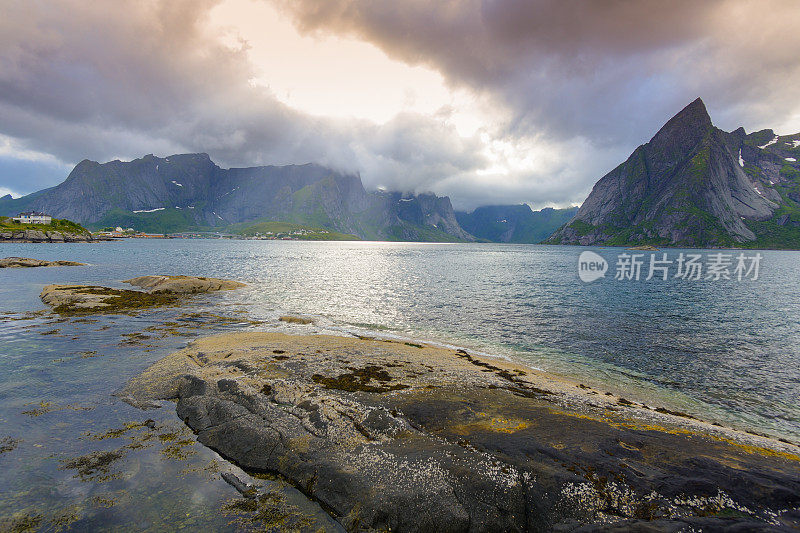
[[162, 290], [86, 299], [183, 284], [26, 262], [399, 436]]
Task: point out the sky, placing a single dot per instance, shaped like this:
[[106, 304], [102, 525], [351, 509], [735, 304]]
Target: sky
[[485, 101]]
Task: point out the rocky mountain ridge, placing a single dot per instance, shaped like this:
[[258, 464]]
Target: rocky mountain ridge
[[695, 185], [188, 192]]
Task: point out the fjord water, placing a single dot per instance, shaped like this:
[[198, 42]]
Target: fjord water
[[727, 351]]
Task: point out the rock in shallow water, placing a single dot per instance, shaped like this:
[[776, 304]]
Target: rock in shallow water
[[25, 262], [163, 290], [183, 284], [387, 435], [85, 299]]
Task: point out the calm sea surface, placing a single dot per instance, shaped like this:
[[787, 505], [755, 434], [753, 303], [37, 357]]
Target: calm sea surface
[[75, 457]]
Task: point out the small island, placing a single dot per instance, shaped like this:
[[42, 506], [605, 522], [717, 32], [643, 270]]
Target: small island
[[39, 227]]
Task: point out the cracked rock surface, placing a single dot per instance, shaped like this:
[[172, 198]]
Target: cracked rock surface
[[387, 435]]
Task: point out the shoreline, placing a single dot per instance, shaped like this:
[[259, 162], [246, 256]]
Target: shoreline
[[339, 417], [576, 394], [638, 393]]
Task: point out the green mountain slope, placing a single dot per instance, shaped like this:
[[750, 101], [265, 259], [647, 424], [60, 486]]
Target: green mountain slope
[[189, 192]]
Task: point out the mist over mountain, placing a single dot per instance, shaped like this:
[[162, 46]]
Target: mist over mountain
[[190, 192], [692, 184]]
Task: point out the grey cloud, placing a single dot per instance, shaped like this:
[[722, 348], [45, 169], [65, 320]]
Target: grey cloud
[[413, 151], [84, 80], [17, 173], [610, 70]]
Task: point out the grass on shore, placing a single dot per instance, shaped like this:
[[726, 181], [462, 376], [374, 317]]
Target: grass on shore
[[62, 225]]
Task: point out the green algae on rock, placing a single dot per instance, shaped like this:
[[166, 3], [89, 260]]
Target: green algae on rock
[[84, 299], [95, 466], [465, 444], [7, 444], [161, 291]]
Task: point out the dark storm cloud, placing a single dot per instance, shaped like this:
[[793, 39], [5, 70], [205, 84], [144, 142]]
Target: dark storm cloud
[[612, 70]]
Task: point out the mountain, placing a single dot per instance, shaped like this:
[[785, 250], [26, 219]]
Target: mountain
[[695, 185], [190, 192], [514, 223]]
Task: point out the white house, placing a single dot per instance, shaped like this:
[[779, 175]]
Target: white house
[[32, 217]]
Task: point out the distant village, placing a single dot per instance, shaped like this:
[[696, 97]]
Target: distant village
[[127, 233], [32, 217]]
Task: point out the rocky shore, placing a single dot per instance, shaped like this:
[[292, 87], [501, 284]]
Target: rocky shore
[[32, 235], [388, 435], [26, 262]]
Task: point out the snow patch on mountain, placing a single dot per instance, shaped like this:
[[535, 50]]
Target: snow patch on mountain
[[773, 141]]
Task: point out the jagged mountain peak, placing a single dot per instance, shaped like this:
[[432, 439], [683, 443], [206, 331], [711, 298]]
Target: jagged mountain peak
[[691, 185], [684, 130], [694, 115]]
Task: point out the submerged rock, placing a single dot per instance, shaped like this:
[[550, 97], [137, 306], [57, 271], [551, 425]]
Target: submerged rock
[[291, 319], [183, 284], [393, 436], [25, 262]]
